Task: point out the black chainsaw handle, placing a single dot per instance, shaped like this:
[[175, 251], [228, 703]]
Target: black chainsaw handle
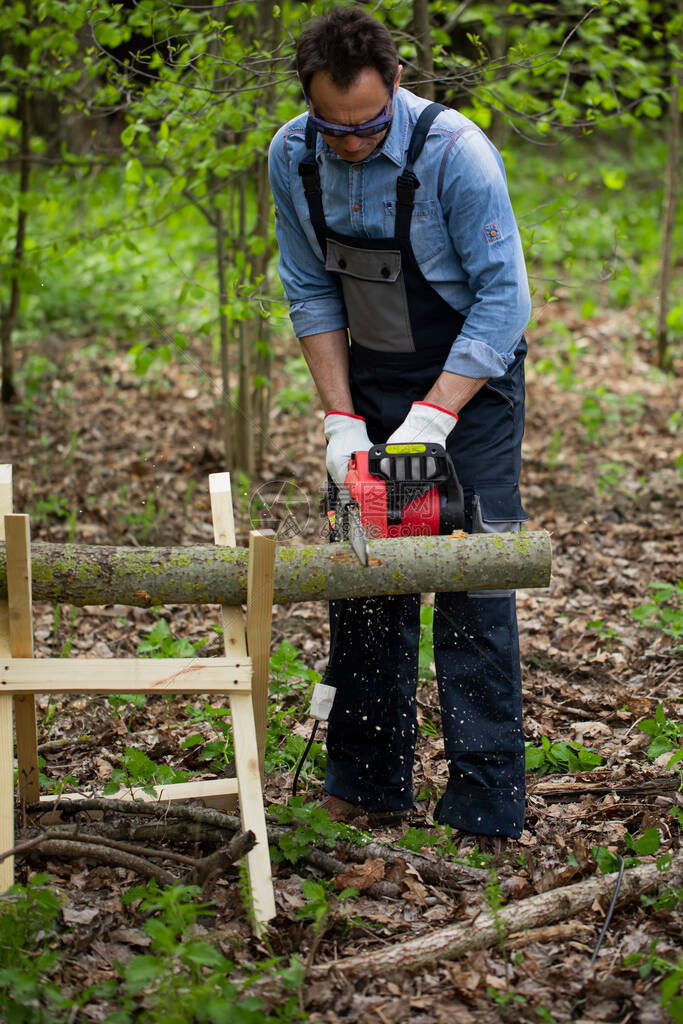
[[453, 516], [409, 487]]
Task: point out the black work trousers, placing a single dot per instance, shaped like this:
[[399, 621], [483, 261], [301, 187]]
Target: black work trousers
[[374, 641]]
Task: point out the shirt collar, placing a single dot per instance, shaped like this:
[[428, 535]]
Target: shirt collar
[[394, 144]]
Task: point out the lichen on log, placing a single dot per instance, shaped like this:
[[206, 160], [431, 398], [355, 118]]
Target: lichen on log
[[91, 575]]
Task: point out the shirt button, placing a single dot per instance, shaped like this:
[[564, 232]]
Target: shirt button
[[342, 263], [385, 271], [356, 207]]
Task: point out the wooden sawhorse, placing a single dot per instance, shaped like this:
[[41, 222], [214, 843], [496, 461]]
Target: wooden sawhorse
[[242, 674]]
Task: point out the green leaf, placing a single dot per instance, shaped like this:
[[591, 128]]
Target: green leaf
[[670, 986], [675, 758], [204, 955], [140, 972], [607, 861], [660, 745], [647, 844], [534, 758], [614, 179], [134, 172]]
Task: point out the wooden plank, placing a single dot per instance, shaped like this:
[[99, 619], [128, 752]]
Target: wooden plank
[[18, 540], [222, 513], [252, 811], [224, 536], [125, 675], [232, 621], [199, 789], [6, 725], [259, 625], [5, 496]]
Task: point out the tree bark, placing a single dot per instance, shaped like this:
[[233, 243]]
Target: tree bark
[[9, 315], [425, 57], [242, 418], [226, 409], [81, 574], [545, 908], [664, 358], [66, 849]]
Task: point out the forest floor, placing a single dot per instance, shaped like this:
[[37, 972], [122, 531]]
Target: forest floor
[[102, 456]]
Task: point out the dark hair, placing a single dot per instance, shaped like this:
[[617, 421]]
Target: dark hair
[[343, 43]]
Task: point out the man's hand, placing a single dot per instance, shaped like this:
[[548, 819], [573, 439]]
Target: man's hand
[[425, 422], [346, 433]]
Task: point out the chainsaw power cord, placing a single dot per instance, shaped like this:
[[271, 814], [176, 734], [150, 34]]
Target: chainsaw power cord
[[608, 918], [304, 756]]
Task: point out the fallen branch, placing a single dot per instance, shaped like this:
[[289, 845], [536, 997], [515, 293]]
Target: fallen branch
[[442, 873], [332, 866], [160, 810], [78, 835], [439, 873], [20, 848], [67, 849], [83, 574], [558, 790], [486, 929], [207, 868]]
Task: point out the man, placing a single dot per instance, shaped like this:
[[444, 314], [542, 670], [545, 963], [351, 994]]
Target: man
[[395, 227]]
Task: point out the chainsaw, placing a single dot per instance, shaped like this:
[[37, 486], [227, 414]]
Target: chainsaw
[[399, 490], [393, 490]]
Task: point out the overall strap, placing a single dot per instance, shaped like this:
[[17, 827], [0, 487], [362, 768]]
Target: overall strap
[[310, 177], [408, 183]]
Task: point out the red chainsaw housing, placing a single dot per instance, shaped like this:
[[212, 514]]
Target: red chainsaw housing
[[419, 518]]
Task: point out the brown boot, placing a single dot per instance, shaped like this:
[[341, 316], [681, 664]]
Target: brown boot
[[494, 845], [353, 814]]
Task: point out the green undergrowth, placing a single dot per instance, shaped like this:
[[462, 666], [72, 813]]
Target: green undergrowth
[[312, 827], [562, 756], [588, 231], [182, 979], [439, 841]]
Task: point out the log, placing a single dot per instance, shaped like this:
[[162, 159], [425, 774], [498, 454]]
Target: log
[[88, 575], [544, 908]]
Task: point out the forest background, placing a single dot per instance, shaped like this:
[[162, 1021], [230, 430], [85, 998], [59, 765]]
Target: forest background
[[134, 203], [145, 343]]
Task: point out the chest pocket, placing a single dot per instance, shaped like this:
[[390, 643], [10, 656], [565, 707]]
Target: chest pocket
[[427, 233], [374, 295]]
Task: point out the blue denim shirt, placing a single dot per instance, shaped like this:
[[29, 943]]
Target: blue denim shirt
[[463, 230]]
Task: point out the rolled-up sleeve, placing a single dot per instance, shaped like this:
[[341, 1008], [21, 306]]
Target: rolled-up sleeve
[[315, 301], [484, 232]]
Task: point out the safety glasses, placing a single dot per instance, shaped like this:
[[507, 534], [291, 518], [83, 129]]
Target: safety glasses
[[362, 131]]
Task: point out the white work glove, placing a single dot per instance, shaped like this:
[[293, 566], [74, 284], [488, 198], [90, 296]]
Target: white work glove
[[346, 433], [426, 423]]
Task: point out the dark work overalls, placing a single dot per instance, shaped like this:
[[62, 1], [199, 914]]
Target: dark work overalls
[[402, 330]]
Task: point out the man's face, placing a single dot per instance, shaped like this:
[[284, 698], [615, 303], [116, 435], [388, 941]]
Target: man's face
[[363, 101]]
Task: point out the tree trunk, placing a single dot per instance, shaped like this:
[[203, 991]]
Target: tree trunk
[[456, 940], [264, 350], [664, 359], [227, 420], [226, 410], [499, 131], [270, 32], [80, 574], [243, 417], [9, 315], [425, 57]]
